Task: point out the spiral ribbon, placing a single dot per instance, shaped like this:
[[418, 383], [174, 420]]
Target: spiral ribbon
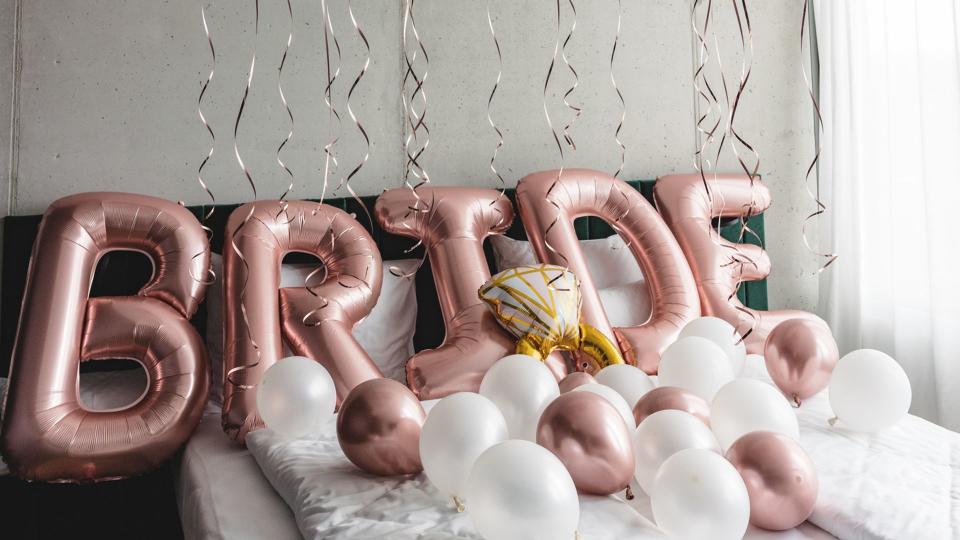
[[493, 125], [211, 276], [253, 187], [828, 256]]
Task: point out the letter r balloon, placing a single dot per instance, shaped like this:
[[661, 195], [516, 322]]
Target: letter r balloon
[[316, 321]]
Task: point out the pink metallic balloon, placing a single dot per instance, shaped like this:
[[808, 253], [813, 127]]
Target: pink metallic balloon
[[47, 433], [453, 231], [379, 428], [689, 210], [316, 322], [780, 478], [573, 380], [800, 356], [589, 436], [670, 397], [548, 206]]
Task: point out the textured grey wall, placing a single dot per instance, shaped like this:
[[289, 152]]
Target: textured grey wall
[[108, 90]]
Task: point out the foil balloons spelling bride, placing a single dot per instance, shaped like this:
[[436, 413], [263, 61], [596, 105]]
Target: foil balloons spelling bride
[[47, 434], [549, 201], [316, 321], [540, 305], [719, 265], [452, 229]]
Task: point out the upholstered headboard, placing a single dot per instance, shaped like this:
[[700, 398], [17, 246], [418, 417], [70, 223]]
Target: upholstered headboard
[[120, 273]]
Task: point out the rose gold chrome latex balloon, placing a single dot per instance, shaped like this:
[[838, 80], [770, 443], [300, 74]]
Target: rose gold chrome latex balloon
[[316, 321], [47, 434], [718, 264], [379, 428], [780, 478], [591, 439], [670, 397], [549, 204], [452, 229], [800, 356], [574, 380]]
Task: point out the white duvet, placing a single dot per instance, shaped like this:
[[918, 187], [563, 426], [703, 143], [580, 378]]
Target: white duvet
[[901, 484]]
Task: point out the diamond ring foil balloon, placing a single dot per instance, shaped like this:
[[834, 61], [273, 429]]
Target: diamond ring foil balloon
[[540, 306]]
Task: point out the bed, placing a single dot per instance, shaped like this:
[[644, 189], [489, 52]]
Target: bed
[[219, 488]]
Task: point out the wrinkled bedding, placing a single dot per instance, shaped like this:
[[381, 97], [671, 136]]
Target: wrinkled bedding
[[902, 483]]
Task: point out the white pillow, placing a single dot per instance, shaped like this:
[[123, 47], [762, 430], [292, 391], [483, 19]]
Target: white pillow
[[386, 333], [609, 259], [616, 274]]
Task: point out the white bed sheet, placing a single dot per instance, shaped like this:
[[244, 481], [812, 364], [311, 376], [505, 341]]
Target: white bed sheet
[[221, 493], [332, 499]]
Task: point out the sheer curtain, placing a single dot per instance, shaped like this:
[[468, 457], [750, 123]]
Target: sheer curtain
[[890, 171]]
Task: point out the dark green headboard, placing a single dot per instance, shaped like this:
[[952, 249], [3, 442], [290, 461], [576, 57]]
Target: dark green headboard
[[120, 273]]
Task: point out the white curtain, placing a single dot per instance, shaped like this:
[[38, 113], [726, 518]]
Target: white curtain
[[890, 172]]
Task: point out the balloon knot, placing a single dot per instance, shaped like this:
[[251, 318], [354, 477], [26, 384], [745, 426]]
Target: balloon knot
[[629, 494], [832, 421], [459, 504], [796, 401]]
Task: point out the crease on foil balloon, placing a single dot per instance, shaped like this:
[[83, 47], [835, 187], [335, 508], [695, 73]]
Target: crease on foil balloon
[[549, 206], [315, 321], [540, 306], [452, 233], [48, 435], [828, 256], [687, 209]]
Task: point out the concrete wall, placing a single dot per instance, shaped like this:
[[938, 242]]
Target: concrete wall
[[108, 94]]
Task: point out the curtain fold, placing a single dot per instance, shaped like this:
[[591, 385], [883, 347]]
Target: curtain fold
[[890, 173]]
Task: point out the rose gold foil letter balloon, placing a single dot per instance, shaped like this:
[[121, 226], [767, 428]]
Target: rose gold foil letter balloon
[[689, 211], [316, 321], [548, 205], [452, 223], [47, 434], [379, 428]]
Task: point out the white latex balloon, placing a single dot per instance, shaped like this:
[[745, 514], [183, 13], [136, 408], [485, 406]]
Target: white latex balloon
[[695, 364], [521, 491], [747, 405], [724, 335], [458, 429], [295, 396], [522, 387], [698, 494], [613, 397], [663, 434], [869, 391], [757, 366], [629, 381]]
